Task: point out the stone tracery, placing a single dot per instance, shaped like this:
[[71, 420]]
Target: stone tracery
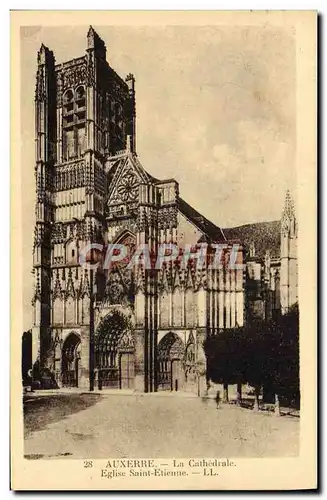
[[101, 193]]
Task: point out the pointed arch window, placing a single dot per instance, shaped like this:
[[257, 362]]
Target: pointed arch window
[[73, 121]]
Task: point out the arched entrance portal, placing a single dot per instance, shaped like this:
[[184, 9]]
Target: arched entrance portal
[[70, 359], [170, 357], [114, 352]]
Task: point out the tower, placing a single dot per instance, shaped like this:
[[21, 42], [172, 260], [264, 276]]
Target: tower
[[45, 139], [84, 112], [288, 265], [121, 326]]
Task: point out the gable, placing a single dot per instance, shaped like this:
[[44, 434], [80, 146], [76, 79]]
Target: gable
[[125, 183]]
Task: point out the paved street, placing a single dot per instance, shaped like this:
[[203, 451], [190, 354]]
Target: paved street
[[82, 426]]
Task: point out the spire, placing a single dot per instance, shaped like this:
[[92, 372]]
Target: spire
[[45, 55], [288, 222], [96, 43], [288, 211], [91, 32]]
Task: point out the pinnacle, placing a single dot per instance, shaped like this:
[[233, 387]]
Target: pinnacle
[[288, 211], [44, 48], [91, 31]]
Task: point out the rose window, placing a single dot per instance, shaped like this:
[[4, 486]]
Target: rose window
[[128, 188]]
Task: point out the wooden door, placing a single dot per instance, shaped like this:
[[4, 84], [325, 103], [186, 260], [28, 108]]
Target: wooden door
[[126, 370]]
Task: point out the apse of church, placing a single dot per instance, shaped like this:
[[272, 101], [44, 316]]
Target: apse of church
[[128, 325]]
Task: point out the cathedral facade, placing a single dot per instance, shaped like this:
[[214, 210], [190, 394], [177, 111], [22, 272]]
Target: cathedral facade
[[122, 326]]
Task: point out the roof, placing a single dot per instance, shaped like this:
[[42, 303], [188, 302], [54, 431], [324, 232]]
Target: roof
[[209, 229], [264, 235]]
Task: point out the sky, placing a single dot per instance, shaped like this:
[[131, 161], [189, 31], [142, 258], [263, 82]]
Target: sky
[[216, 110]]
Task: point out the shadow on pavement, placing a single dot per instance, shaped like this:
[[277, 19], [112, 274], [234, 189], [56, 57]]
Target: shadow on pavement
[[44, 410]]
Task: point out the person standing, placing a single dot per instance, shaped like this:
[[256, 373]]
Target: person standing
[[218, 400]]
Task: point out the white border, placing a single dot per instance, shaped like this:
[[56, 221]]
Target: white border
[[4, 185]]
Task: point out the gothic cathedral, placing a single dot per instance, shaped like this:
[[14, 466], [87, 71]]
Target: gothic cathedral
[[125, 328]]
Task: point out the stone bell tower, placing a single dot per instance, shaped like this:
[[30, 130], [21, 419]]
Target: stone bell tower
[[137, 327], [84, 112]]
